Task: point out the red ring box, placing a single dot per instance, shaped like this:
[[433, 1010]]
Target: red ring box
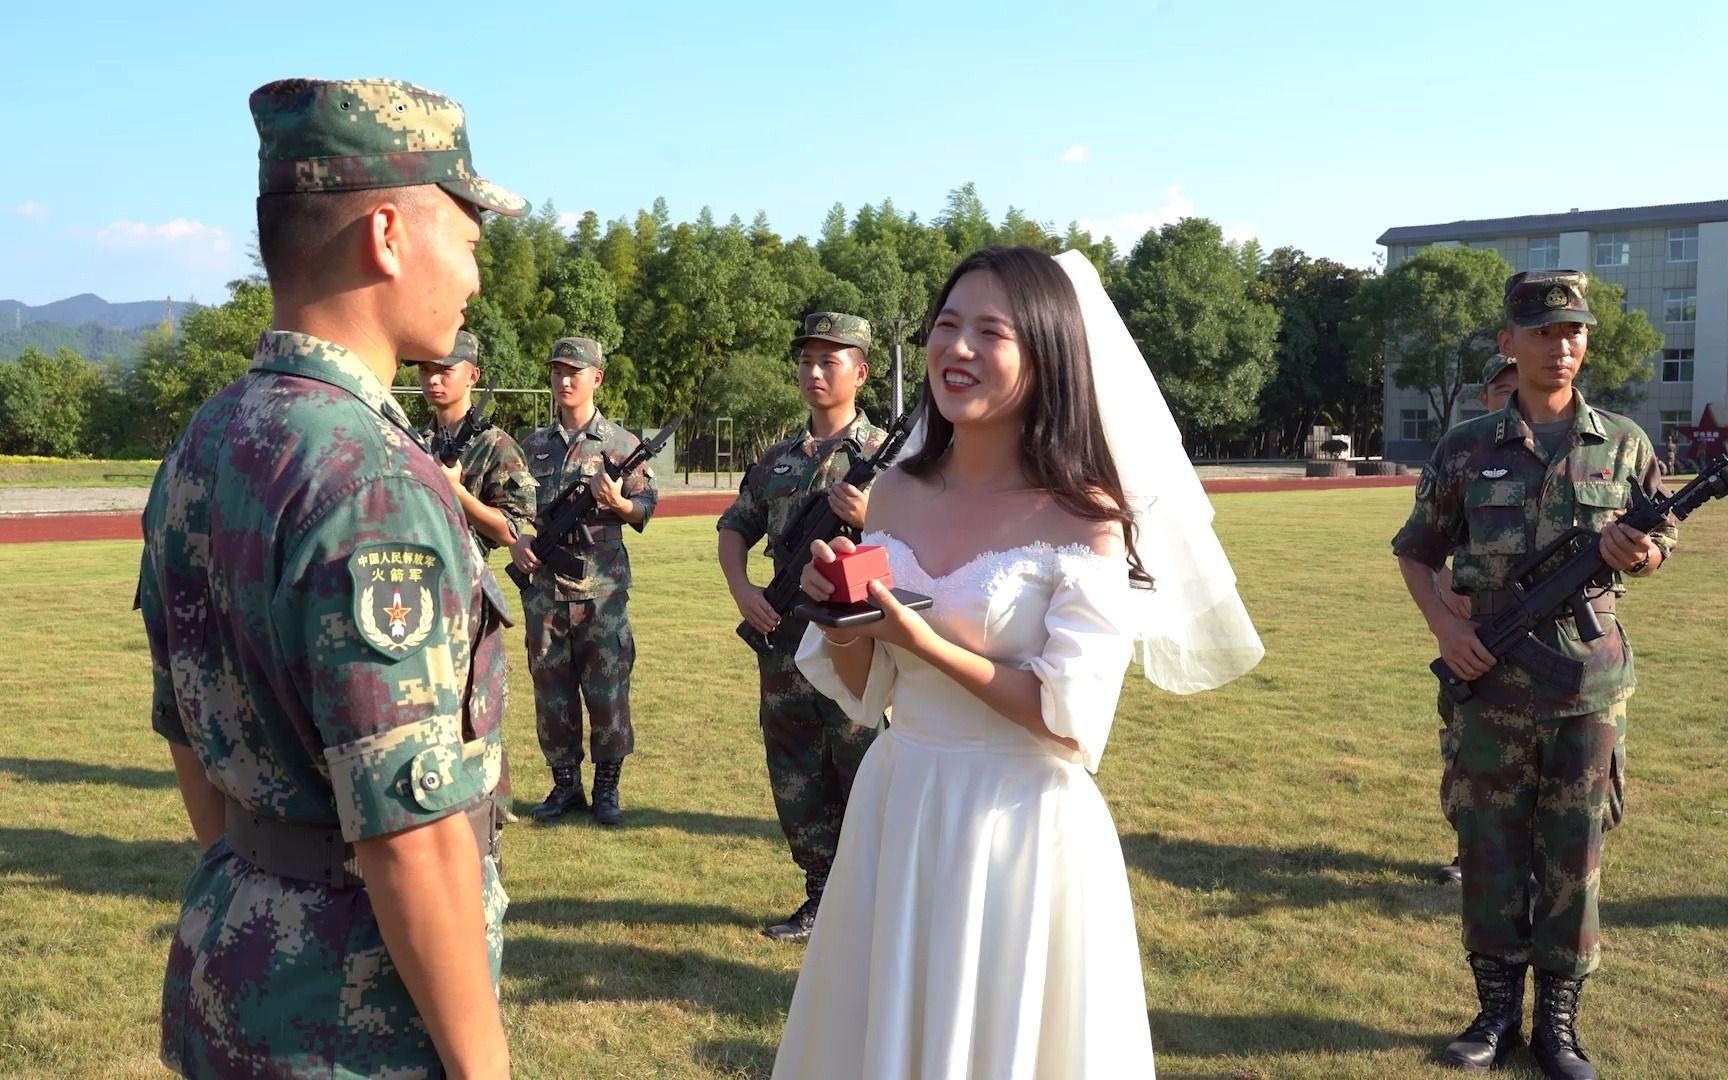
[[852, 574]]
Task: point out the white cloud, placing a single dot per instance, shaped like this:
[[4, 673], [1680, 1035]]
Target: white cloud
[[1127, 229], [1238, 232], [34, 210], [191, 242], [568, 219], [1077, 154]]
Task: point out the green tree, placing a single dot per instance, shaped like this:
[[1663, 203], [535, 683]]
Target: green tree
[[1617, 365], [1209, 342], [759, 391], [705, 297], [1315, 381], [964, 221], [174, 375], [1430, 324], [45, 403]]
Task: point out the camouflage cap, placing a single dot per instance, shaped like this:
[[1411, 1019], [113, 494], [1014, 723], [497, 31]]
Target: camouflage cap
[[835, 326], [318, 135], [1540, 297], [577, 352], [1497, 365], [467, 349]]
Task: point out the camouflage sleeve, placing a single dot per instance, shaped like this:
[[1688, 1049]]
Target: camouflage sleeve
[[164, 713], [1649, 473], [748, 514], [507, 485], [639, 488], [1436, 523], [373, 617]]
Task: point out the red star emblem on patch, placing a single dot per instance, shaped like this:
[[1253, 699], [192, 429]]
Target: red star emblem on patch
[[397, 613]]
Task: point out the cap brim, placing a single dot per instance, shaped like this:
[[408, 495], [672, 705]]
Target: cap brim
[[1558, 315], [486, 195], [802, 338]]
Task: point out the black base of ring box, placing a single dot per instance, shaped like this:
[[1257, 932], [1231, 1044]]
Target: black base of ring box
[[832, 614]]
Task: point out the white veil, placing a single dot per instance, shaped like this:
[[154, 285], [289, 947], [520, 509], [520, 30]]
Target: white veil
[[1192, 631]]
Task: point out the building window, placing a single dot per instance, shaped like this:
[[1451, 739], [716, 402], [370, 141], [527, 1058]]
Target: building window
[[1683, 244], [1544, 253], [1415, 424], [1613, 249], [1676, 365], [1672, 421], [1679, 305]]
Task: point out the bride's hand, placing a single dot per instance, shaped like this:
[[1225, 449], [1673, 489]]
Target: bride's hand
[[815, 586], [899, 624]]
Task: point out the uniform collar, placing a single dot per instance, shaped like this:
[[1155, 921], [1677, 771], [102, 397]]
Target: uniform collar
[[289, 353], [851, 431], [1512, 427], [597, 427]]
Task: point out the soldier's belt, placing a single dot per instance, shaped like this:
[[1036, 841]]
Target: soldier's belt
[[318, 853], [1494, 601]]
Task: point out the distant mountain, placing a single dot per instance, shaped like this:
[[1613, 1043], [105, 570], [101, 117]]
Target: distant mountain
[[87, 324], [89, 340], [88, 308]]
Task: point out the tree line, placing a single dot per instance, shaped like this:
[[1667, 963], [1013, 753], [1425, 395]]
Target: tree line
[[1251, 348]]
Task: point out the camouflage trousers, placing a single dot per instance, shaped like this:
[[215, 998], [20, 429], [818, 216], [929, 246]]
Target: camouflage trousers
[[1531, 796], [1449, 753], [580, 654], [813, 751], [269, 976]]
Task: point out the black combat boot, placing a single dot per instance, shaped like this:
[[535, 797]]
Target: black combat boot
[[606, 810], [566, 794], [1450, 874], [798, 925], [1494, 1034], [1553, 1034]]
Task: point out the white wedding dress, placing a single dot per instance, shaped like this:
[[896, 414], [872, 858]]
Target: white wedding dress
[[977, 923]]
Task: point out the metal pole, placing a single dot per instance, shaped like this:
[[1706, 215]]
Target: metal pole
[[895, 367]]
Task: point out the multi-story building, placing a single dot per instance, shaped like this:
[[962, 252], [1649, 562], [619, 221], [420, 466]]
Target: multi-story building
[[1672, 261]]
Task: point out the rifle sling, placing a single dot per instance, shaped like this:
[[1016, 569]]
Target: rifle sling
[[318, 853]]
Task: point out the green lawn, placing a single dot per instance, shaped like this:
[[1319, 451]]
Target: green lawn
[[1279, 833], [38, 472]]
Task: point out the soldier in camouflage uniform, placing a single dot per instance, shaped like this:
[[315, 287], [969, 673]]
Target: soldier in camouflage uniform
[[1533, 770], [324, 637], [813, 749], [580, 647], [490, 478]]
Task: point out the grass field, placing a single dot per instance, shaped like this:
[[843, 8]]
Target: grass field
[[1279, 833], [39, 472]]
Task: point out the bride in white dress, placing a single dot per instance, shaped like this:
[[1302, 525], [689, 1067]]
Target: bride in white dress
[[978, 921]]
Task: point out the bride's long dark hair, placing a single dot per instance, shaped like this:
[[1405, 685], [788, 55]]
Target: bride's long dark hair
[[1062, 445]]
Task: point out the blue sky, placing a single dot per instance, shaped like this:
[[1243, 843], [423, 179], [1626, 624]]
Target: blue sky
[[131, 159]]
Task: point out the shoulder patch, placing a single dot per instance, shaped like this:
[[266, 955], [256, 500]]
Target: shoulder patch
[[395, 595], [1425, 485], [783, 468], [1493, 474]]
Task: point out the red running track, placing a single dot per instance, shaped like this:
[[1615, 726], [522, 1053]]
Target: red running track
[[124, 525]]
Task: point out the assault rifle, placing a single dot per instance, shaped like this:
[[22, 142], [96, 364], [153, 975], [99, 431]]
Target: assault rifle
[[1558, 577], [816, 520], [447, 447], [567, 515]]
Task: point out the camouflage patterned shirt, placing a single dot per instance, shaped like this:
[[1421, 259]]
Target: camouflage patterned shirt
[[557, 457], [324, 635], [776, 487], [1491, 495], [495, 471]]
